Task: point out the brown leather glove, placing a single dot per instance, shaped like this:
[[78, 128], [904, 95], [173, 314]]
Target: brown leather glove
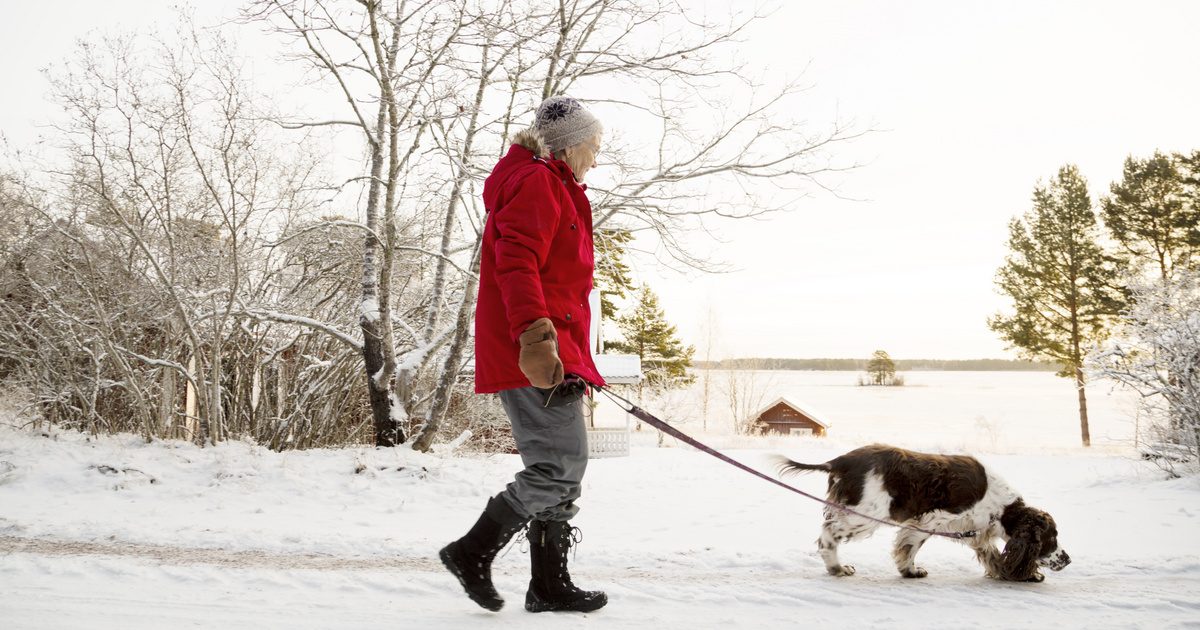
[[539, 360]]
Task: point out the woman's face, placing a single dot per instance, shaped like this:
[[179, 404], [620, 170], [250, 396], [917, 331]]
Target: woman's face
[[582, 157]]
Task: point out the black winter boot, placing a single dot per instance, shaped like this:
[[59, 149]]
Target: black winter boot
[[551, 587], [470, 558]]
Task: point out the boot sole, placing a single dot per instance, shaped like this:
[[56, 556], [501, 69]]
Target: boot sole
[[452, 567], [536, 605]]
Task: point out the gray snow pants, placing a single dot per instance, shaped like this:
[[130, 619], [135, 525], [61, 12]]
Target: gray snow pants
[[553, 446]]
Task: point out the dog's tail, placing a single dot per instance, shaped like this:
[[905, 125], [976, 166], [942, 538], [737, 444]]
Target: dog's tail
[[785, 466]]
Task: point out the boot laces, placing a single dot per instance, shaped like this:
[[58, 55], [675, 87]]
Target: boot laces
[[572, 538], [520, 537], [570, 541]]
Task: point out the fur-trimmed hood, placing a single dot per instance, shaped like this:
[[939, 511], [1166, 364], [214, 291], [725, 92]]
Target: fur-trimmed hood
[[532, 139], [524, 144]]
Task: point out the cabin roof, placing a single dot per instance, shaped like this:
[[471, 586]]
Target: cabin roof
[[807, 413], [619, 369]]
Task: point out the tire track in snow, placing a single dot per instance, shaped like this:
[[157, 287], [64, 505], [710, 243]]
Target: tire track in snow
[[167, 554], [261, 559]]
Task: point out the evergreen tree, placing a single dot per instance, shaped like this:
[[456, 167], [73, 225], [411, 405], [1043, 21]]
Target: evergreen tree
[[1061, 282], [881, 368], [1149, 215], [1189, 172], [646, 333], [612, 274]]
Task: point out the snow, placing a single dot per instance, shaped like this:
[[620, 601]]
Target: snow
[[306, 321], [411, 360], [948, 411], [624, 369], [111, 532], [369, 309], [396, 411], [807, 410]]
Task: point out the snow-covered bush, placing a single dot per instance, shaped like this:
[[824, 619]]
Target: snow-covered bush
[[1157, 354]]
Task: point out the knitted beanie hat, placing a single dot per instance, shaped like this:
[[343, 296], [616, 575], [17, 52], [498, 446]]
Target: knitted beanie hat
[[565, 122]]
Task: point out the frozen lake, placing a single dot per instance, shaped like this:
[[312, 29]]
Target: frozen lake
[[982, 411]]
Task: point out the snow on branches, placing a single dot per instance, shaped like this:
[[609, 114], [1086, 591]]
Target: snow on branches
[[1157, 354]]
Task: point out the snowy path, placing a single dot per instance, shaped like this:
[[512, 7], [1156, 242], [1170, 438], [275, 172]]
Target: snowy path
[[152, 586], [238, 537]]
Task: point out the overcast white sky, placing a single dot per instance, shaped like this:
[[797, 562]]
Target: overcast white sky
[[978, 99]]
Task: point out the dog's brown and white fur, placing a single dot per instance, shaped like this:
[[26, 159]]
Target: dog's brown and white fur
[[945, 493]]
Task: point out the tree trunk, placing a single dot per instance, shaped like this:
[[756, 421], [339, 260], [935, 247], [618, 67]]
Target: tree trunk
[[1083, 418], [445, 386], [387, 431], [191, 401], [203, 403], [216, 406], [166, 410], [1077, 354], [378, 342]]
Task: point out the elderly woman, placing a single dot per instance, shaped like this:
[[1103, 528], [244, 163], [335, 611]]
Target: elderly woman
[[531, 333]]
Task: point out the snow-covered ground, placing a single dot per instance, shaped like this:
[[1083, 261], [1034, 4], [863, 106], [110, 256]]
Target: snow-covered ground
[[1008, 412], [114, 533]]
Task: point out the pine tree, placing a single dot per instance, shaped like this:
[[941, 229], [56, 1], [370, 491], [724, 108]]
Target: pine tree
[[881, 368], [1149, 215], [1189, 172], [612, 274], [646, 333], [1061, 282]]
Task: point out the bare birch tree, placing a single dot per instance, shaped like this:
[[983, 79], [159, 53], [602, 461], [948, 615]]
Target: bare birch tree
[[503, 58], [240, 238]]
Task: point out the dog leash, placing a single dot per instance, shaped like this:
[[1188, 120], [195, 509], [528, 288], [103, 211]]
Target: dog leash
[[628, 407]]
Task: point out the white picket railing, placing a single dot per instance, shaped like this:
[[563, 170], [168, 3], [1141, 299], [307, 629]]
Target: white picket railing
[[608, 442]]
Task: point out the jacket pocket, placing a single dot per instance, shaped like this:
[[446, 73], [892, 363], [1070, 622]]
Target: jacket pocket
[[569, 316], [566, 314], [565, 310]]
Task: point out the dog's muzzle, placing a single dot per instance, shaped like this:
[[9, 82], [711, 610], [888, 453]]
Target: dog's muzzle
[[1056, 561]]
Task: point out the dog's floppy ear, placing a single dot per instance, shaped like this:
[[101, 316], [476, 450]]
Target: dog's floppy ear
[[1018, 561]]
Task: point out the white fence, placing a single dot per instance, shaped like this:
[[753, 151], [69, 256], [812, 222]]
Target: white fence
[[608, 442]]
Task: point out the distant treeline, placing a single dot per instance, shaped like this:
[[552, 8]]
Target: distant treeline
[[856, 365]]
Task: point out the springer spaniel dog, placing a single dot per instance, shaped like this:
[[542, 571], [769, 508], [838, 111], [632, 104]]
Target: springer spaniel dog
[[945, 493]]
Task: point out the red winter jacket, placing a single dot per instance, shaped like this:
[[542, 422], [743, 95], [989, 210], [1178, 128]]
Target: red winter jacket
[[537, 261]]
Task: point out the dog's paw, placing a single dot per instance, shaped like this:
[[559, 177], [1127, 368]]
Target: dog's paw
[[841, 571], [1036, 577], [915, 572]]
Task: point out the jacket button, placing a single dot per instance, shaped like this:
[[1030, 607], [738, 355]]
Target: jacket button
[[568, 317], [572, 226]]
